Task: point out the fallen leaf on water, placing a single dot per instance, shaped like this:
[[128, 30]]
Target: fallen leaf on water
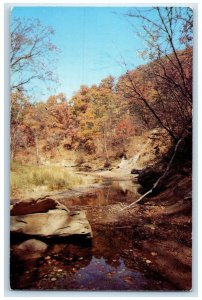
[[128, 279]]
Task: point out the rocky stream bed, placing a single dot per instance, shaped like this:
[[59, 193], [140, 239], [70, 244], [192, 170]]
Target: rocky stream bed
[[145, 248]]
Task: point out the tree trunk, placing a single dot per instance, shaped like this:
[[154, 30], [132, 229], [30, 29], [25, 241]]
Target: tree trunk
[[13, 146], [105, 145], [37, 149], [156, 184]]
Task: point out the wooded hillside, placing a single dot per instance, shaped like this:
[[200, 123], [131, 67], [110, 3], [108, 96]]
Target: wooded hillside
[[99, 120]]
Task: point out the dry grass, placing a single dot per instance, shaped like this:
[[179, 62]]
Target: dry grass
[[24, 178]]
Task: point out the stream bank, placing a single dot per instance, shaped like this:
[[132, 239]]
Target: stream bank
[[146, 248]]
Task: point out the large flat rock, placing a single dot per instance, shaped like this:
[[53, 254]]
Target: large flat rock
[[56, 222], [31, 206]]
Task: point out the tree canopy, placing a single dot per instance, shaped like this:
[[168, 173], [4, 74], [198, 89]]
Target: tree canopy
[[102, 118]]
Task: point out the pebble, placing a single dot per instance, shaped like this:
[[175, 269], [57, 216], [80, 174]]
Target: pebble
[[47, 257], [148, 261], [59, 270], [69, 258], [53, 279], [153, 253]]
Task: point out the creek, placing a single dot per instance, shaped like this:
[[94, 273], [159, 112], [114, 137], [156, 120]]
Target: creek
[[111, 261]]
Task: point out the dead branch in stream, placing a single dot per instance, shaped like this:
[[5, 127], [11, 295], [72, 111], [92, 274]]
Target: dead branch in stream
[[161, 177]]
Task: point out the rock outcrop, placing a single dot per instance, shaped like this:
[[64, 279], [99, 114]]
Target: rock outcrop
[[48, 218], [156, 147], [152, 150], [147, 177]]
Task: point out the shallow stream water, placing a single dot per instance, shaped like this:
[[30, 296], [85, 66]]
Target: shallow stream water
[[111, 261]]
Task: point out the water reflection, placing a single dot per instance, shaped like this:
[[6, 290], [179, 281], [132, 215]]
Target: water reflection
[[110, 262], [125, 186], [111, 193]]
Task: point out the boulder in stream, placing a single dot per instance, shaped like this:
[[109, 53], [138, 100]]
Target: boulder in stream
[[48, 218], [30, 249]]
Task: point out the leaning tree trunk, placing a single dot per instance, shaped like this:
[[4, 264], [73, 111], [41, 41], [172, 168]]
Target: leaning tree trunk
[[156, 184]]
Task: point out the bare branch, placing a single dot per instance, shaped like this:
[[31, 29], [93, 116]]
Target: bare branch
[[31, 53]]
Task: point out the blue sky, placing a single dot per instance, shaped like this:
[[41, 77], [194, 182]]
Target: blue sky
[[91, 40]]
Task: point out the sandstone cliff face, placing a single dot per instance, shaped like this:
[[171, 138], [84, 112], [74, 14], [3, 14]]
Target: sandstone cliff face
[[156, 146], [153, 149]]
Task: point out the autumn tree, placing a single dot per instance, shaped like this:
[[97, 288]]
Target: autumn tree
[[18, 104], [124, 129], [142, 118], [97, 110], [32, 53], [35, 116], [168, 36], [59, 124], [32, 57], [108, 108]]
